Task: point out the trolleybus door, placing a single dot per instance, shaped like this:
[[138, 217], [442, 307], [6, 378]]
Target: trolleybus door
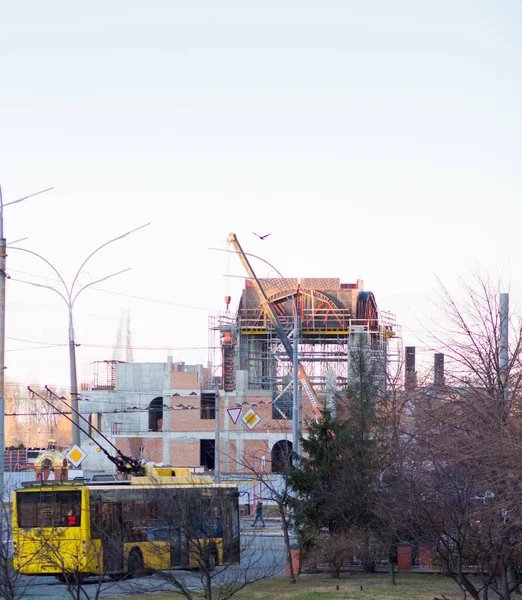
[[112, 536]]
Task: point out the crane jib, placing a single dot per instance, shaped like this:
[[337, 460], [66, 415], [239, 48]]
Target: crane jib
[[307, 389], [272, 315]]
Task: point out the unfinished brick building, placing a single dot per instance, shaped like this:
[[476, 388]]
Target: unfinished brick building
[[166, 412]]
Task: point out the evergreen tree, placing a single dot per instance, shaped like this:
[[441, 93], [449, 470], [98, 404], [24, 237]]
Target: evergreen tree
[[338, 470]]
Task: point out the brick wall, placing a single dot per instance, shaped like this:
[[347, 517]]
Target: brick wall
[[254, 450], [233, 466], [152, 447], [189, 380], [186, 415], [185, 453], [180, 380]]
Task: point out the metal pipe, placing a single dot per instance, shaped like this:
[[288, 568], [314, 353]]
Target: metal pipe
[[295, 395], [504, 347], [217, 444], [3, 277], [74, 382]]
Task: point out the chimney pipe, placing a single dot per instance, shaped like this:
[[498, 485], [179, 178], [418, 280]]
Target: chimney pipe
[[504, 346], [438, 370], [410, 380]]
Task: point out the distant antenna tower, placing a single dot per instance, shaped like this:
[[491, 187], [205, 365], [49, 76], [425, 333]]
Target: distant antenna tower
[[122, 350]]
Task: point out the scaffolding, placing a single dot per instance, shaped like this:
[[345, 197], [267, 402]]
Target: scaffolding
[[332, 319], [104, 375]]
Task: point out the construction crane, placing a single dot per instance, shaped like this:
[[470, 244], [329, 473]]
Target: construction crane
[[281, 333]]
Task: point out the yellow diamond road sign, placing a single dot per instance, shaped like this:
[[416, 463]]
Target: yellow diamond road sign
[[251, 419], [75, 455]]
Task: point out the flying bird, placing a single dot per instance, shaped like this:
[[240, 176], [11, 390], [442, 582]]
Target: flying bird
[[261, 237]]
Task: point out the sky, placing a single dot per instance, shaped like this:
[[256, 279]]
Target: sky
[[375, 140]]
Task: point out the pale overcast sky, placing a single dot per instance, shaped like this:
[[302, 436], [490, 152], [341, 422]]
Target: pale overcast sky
[[376, 140]]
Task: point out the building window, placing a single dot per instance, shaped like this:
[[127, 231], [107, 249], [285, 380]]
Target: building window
[[281, 456], [95, 423], [208, 406], [156, 415], [117, 428], [207, 453]]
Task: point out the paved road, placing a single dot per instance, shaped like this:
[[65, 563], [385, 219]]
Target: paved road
[[263, 555]]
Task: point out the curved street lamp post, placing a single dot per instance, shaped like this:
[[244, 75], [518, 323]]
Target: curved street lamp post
[[69, 296]]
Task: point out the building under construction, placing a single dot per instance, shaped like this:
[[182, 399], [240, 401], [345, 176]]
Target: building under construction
[[309, 333], [332, 320]]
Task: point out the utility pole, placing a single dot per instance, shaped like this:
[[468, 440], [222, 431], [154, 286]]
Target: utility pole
[[295, 395], [74, 383], [504, 349], [3, 277], [217, 444]]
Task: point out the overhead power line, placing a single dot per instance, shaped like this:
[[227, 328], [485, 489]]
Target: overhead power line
[[109, 346], [146, 298]]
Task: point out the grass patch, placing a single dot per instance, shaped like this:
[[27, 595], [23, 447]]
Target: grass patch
[[322, 587], [374, 587]]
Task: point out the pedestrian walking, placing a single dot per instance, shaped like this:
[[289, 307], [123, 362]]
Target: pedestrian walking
[[259, 513]]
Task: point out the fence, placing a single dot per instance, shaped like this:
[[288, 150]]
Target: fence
[[251, 489]]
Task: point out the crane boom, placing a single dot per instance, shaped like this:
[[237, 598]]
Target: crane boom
[[302, 377], [287, 345], [272, 315]]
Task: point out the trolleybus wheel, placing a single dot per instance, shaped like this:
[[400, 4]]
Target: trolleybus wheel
[[212, 560], [135, 564]]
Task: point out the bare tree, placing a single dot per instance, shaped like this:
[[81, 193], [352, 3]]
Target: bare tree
[[66, 558], [336, 480], [467, 486], [472, 341], [333, 550], [278, 489], [13, 585], [390, 501], [49, 540], [31, 421], [189, 537]]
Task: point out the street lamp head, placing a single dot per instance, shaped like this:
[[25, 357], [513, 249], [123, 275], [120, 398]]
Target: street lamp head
[[25, 197]]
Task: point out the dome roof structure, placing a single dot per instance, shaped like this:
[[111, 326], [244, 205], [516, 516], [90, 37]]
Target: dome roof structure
[[51, 457]]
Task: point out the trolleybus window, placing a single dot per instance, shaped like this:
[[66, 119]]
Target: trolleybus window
[[49, 509]]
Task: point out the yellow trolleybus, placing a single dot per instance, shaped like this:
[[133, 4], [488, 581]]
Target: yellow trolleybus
[[168, 519]]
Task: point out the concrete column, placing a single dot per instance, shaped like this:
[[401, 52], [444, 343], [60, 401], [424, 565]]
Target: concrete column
[[331, 387], [226, 431], [241, 388], [165, 438]]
